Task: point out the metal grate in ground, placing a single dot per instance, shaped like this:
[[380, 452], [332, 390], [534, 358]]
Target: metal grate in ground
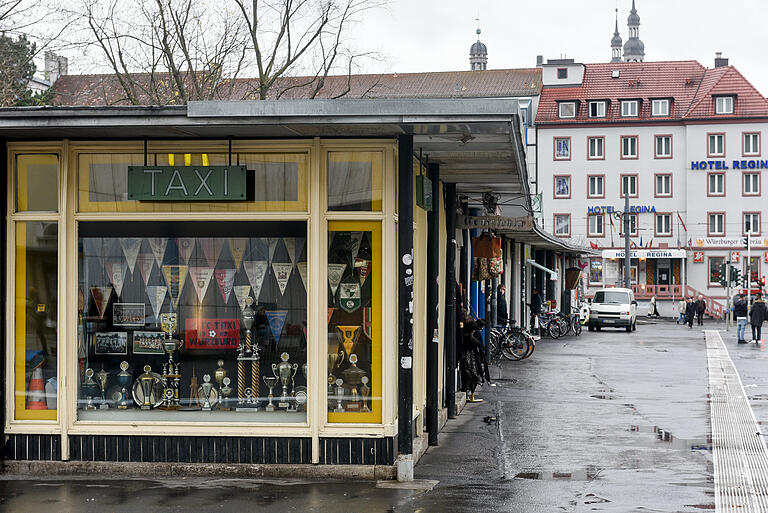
[[739, 451]]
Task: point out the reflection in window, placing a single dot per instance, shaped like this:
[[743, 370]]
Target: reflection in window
[[354, 181], [37, 169]]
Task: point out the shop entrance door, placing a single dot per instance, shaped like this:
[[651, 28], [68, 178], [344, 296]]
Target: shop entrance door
[[663, 272]]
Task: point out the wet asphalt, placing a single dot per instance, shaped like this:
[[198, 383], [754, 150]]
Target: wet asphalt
[[608, 421]]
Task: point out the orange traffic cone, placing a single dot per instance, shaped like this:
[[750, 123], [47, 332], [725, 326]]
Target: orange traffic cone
[[36, 393]]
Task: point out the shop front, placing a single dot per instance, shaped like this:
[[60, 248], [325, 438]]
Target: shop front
[[659, 273]]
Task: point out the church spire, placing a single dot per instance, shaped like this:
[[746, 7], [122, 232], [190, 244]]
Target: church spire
[[634, 49], [616, 42], [478, 53]]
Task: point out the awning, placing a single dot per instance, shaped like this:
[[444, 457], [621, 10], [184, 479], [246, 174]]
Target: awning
[[533, 263], [645, 253]]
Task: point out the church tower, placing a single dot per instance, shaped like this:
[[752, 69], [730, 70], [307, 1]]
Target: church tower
[[616, 42], [634, 49], [478, 55]]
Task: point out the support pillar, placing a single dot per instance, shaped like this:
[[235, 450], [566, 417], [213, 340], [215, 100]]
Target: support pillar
[[450, 299], [433, 266]]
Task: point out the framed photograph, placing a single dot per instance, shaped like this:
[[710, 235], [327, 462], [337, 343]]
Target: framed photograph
[[128, 314], [148, 342], [111, 342]]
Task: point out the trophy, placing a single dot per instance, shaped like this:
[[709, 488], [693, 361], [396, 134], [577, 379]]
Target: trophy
[[226, 391], [89, 387], [248, 351], [334, 359], [353, 377], [220, 373], [171, 375], [270, 381], [205, 390], [147, 383], [102, 376], [365, 390], [339, 395], [284, 371], [124, 379]]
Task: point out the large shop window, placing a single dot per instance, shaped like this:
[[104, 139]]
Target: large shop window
[[192, 321], [354, 322], [35, 320], [354, 180]]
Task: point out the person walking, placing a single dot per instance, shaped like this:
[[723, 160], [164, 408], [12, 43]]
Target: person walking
[[690, 311], [502, 317], [757, 316], [701, 307], [740, 312], [681, 311], [652, 310]]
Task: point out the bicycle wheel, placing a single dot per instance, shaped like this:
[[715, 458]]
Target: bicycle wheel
[[563, 325], [514, 348], [495, 345], [553, 329], [531, 345], [576, 325]]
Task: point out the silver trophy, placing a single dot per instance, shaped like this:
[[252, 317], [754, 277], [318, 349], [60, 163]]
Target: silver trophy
[[248, 351], [124, 380], [171, 375], [226, 391], [147, 383], [285, 372], [365, 390], [339, 395], [270, 381], [101, 377], [206, 388], [89, 388]]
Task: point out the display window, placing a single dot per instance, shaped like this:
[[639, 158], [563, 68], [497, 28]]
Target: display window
[[354, 180], [37, 169], [192, 321], [354, 322]]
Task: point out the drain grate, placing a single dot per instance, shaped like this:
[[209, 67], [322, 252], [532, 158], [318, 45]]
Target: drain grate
[[739, 451]]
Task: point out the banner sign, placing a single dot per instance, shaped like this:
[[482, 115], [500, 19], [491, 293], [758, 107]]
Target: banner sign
[[730, 242], [171, 183], [212, 333], [494, 223]]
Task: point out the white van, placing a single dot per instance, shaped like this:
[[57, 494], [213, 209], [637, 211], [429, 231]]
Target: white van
[[613, 308]]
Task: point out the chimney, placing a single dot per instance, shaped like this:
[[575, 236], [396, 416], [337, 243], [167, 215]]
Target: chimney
[[720, 61], [55, 66], [539, 60]]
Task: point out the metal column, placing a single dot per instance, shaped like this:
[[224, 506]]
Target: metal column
[[450, 299], [433, 266]]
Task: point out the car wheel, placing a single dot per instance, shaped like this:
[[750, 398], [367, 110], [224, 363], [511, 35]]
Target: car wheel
[[634, 326], [629, 328], [597, 328], [590, 328]]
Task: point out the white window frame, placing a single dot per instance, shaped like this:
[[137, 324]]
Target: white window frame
[[716, 191], [754, 216], [666, 222], [719, 219], [715, 148], [601, 145], [562, 196], [596, 180], [665, 180], [631, 184], [599, 109], [754, 138], [633, 220], [560, 110], [751, 177], [718, 261], [625, 146], [567, 226], [630, 108], [562, 157], [666, 147], [724, 104], [595, 233], [660, 108]]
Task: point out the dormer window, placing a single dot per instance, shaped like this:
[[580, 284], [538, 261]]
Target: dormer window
[[660, 107], [724, 105], [629, 108], [567, 110], [597, 109], [562, 73]]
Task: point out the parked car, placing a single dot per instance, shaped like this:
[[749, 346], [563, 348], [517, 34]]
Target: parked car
[[613, 308]]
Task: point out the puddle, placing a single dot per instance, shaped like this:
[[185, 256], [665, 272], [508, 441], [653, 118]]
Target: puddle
[[587, 474], [604, 393], [758, 397], [703, 444]]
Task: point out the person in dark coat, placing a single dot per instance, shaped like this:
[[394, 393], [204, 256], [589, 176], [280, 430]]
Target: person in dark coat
[[757, 315], [502, 317], [740, 312], [701, 307], [473, 366], [690, 312]]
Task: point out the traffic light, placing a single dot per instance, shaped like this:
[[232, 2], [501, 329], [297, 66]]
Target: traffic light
[[719, 275], [762, 282], [736, 277]]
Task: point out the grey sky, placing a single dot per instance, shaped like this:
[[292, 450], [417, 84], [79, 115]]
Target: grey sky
[[435, 35]]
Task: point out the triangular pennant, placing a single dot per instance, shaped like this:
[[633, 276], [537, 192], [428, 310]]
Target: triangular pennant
[[330, 313], [368, 321], [209, 250], [290, 247], [237, 248], [349, 297], [256, 270], [226, 279], [276, 319], [186, 246], [131, 247], [282, 274], [158, 245], [300, 243], [218, 245], [201, 278], [242, 292], [363, 267], [175, 276], [116, 275], [101, 298], [335, 272], [146, 262], [156, 295], [272, 241], [302, 267], [354, 243]]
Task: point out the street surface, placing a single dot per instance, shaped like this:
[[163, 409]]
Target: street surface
[[608, 421]]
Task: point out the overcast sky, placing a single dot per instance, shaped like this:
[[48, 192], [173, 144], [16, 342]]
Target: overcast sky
[[435, 35]]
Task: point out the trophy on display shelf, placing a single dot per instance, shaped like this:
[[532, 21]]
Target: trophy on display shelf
[[270, 381], [171, 374], [334, 359], [208, 394], [89, 388], [248, 351], [101, 377], [124, 379], [365, 390], [226, 391], [284, 371], [339, 396], [146, 382], [220, 373], [353, 377]]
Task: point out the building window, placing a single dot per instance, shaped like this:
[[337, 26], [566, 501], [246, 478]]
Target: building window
[[563, 225], [629, 147], [595, 224], [632, 225], [751, 144], [716, 223], [714, 270], [629, 186], [663, 186], [751, 184], [660, 107], [567, 110], [597, 109], [562, 73], [595, 186], [562, 148], [562, 186], [715, 184], [724, 105], [663, 225], [596, 148], [663, 147], [751, 223], [716, 145], [595, 271], [629, 108]]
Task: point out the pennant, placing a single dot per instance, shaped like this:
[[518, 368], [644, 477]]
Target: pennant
[[302, 268], [354, 243], [335, 272], [201, 278], [209, 250], [256, 270], [282, 274], [272, 241], [641, 242], [226, 279], [116, 275], [218, 245], [330, 314], [349, 297], [300, 243], [593, 245], [368, 322], [186, 245], [101, 298], [131, 247], [290, 247], [363, 267], [175, 276], [156, 295], [349, 336], [681, 221], [276, 319], [158, 245], [242, 293], [146, 261], [237, 248]]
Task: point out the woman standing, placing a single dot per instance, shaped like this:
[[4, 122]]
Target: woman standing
[[757, 314], [681, 310]]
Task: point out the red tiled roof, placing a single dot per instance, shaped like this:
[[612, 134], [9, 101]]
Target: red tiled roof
[[94, 90], [687, 83]]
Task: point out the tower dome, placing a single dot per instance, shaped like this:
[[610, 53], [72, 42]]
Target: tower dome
[[616, 42], [478, 54], [634, 49]]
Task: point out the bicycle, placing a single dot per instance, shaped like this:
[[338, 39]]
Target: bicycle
[[511, 342], [549, 324]]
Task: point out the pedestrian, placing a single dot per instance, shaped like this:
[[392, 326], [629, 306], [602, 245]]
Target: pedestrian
[[502, 317], [652, 310], [690, 311], [681, 311], [740, 311], [535, 305], [701, 307], [757, 315]]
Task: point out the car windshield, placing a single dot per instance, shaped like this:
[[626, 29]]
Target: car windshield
[[612, 298]]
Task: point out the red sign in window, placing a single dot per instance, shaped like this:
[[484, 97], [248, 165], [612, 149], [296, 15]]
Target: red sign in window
[[212, 333], [698, 256]]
